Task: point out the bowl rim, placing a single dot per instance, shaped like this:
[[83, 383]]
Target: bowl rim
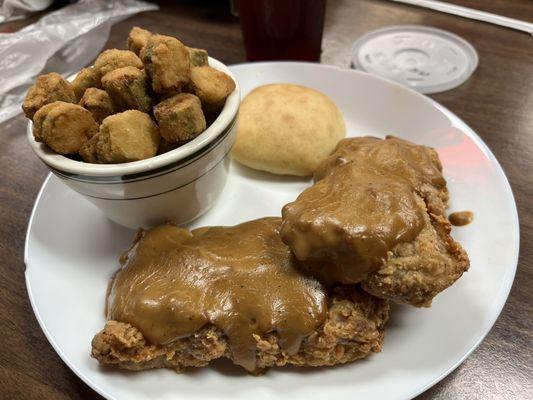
[[64, 165]]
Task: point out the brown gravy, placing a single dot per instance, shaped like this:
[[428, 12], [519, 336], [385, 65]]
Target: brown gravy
[[241, 279], [461, 218], [415, 164], [364, 202], [343, 226]]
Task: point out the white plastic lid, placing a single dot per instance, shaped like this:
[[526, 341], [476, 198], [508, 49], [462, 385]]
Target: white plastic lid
[[426, 59]]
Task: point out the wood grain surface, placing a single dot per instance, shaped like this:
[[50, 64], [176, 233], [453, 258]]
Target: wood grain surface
[[497, 102]]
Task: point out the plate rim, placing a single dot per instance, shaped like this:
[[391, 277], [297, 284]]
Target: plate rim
[[504, 291]]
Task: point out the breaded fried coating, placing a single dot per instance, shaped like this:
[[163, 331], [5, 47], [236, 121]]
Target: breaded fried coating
[[419, 165], [165, 146], [88, 150], [112, 59], [342, 227], [127, 136], [354, 328], [166, 61], [97, 101], [199, 57], [415, 272], [128, 89], [86, 78], [211, 86], [137, 39], [47, 89], [38, 120], [180, 117], [64, 127], [376, 216]]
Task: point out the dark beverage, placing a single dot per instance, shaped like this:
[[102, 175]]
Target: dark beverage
[[282, 29]]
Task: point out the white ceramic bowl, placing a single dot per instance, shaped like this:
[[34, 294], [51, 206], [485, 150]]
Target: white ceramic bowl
[[176, 186]]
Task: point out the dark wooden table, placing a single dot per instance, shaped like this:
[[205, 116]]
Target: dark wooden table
[[497, 102]]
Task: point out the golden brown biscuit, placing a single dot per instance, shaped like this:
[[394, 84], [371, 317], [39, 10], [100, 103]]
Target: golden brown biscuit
[[211, 86], [47, 89], [167, 63], [112, 59], [86, 78], [64, 127], [137, 39], [180, 117], [97, 101], [128, 89], [287, 129], [128, 136]]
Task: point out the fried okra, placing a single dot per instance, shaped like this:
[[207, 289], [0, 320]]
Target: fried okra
[[211, 86], [64, 127], [180, 117], [113, 59], [166, 146], [47, 89], [167, 63], [88, 150], [128, 89], [198, 57], [97, 101], [137, 39], [128, 136], [86, 78], [38, 120]]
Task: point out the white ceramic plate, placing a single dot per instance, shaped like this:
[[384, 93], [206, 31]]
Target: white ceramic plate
[[72, 250]]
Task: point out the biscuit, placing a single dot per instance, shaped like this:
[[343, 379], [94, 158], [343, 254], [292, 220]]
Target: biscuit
[[287, 129]]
